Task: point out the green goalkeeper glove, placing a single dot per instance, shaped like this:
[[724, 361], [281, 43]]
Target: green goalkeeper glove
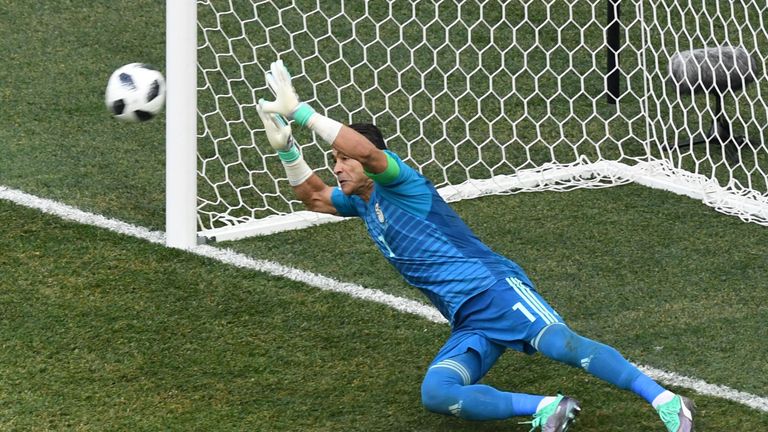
[[286, 100]]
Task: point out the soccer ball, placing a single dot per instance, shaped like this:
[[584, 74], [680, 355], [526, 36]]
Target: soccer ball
[[135, 92]]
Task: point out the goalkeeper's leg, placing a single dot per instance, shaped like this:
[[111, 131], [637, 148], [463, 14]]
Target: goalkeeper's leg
[[449, 387], [560, 343]]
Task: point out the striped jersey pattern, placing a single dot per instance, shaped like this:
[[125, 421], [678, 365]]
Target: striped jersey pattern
[[426, 241]]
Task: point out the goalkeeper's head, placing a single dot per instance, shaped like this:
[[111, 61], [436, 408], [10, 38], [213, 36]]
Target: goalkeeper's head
[[371, 132], [349, 172]]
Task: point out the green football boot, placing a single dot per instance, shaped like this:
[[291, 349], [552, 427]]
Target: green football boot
[[677, 414], [558, 416]]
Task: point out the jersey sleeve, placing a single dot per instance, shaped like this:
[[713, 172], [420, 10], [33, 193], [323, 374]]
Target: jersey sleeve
[[408, 188], [343, 203]]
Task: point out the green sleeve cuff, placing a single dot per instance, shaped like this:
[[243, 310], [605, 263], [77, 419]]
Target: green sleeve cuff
[[388, 175]]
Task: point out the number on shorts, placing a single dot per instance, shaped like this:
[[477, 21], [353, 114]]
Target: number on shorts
[[519, 306]]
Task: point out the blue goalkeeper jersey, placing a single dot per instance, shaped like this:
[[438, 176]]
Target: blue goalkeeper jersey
[[426, 241]]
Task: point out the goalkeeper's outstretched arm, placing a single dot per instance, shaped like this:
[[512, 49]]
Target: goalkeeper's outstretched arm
[[309, 188], [316, 195], [344, 139]]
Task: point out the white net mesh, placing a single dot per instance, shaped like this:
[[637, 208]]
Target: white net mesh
[[482, 97], [732, 164]]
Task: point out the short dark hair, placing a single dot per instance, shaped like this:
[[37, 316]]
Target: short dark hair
[[371, 132]]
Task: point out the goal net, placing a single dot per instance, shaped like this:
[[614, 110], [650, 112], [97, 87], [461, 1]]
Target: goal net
[[488, 97]]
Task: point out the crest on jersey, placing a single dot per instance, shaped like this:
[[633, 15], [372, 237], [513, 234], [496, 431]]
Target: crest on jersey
[[379, 213]]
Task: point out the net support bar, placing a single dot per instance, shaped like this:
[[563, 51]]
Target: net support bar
[[613, 45], [269, 225]]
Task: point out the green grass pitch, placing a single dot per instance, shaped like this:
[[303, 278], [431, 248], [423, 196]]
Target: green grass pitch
[[100, 331]]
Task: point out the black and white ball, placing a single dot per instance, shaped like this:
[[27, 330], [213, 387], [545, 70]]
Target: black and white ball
[[135, 92]]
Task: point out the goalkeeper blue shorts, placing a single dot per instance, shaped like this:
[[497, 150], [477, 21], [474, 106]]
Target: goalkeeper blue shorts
[[509, 314]]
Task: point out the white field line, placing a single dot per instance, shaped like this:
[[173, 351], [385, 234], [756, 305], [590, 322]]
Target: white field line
[[231, 257]]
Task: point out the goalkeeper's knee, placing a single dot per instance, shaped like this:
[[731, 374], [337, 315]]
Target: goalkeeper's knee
[[448, 389], [437, 393], [441, 388], [560, 343]]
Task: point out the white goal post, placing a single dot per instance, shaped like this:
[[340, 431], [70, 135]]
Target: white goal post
[[487, 97], [181, 124]]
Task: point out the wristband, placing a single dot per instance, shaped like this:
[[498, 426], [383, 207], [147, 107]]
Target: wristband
[[325, 127], [302, 113], [292, 153], [298, 171]]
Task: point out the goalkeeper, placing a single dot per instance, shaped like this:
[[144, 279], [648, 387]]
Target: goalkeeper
[[488, 299]]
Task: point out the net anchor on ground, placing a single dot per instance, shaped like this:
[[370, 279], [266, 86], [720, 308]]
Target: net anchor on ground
[[715, 72]]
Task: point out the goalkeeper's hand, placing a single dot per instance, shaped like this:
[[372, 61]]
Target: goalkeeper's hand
[[286, 101], [279, 135], [277, 128]]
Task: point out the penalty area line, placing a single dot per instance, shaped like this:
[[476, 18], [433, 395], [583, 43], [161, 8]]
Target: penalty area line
[[325, 283]]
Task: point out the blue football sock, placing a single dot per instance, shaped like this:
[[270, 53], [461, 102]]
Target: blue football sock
[[447, 389], [647, 388], [560, 343]]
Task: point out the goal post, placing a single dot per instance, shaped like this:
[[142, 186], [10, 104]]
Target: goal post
[[181, 120], [489, 97]]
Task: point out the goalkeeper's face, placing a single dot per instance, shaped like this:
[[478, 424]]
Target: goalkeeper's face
[[350, 174]]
